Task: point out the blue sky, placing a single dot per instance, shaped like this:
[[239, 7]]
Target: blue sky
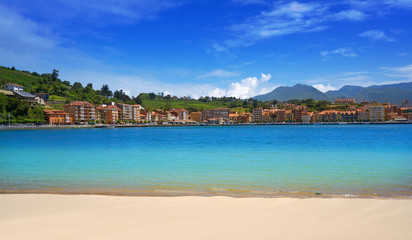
[[217, 48]]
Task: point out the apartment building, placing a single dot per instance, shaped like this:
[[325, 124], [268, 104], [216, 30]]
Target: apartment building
[[220, 114], [196, 116], [82, 112], [58, 117], [108, 114], [127, 112], [376, 112], [257, 114]]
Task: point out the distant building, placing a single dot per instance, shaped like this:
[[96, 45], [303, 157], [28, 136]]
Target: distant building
[[127, 112], [136, 112], [82, 112], [281, 115], [57, 117], [344, 101], [298, 112], [44, 96], [257, 114], [196, 116], [13, 87], [348, 116], [363, 115], [25, 96], [221, 114], [108, 114], [306, 118], [376, 112]]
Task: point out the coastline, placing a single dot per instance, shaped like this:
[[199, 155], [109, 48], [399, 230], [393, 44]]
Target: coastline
[[231, 194], [45, 216], [22, 127]]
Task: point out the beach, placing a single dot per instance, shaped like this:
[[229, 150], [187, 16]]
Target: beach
[[52, 216]]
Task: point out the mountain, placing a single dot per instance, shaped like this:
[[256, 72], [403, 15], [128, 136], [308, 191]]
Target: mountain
[[393, 93], [344, 92], [299, 91]]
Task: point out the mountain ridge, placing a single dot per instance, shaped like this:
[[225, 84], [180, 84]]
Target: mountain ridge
[[392, 93]]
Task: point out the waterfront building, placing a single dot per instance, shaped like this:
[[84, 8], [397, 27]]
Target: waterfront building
[[376, 112], [406, 113], [348, 116], [363, 115], [281, 115], [221, 114], [328, 116], [266, 116], [57, 117], [127, 112], [289, 115], [344, 101], [136, 112], [298, 112], [108, 114], [82, 112], [306, 118], [196, 116], [257, 115], [182, 114]]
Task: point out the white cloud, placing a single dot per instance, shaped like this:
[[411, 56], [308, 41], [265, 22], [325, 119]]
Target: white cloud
[[399, 3], [351, 14], [376, 35], [287, 18], [346, 52], [338, 80], [246, 88], [220, 73], [324, 88], [399, 72]]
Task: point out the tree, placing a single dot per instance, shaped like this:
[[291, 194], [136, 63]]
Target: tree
[[255, 103], [137, 100], [55, 75], [152, 96], [105, 91], [77, 85]]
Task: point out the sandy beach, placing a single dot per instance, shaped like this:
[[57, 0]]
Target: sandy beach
[[48, 216]]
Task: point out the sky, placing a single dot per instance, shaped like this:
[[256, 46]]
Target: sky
[[195, 48]]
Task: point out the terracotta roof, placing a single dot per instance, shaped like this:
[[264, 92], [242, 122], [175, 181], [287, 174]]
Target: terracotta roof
[[80, 103], [16, 85]]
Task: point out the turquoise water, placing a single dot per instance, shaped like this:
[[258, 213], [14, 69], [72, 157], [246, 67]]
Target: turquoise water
[[356, 160]]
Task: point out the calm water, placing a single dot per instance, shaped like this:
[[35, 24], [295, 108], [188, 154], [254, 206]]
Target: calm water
[[363, 160]]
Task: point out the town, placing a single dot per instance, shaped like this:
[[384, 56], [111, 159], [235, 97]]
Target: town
[[122, 114]]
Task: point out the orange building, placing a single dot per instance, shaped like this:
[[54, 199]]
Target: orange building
[[57, 117], [108, 114], [82, 112], [195, 116]]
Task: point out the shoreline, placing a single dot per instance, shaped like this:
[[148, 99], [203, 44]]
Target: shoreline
[[45, 216], [22, 127], [240, 194]]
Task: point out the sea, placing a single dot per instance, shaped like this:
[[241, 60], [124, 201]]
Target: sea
[[370, 160]]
